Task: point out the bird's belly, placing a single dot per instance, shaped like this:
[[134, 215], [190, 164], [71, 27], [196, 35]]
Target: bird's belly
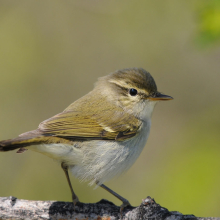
[[98, 160], [108, 158]]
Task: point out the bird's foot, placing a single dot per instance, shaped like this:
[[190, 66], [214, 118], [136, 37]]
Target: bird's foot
[[75, 201], [124, 204]]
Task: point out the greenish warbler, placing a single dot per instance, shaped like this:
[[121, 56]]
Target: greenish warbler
[[100, 135]]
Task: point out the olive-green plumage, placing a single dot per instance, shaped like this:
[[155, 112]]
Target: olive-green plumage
[[87, 118]]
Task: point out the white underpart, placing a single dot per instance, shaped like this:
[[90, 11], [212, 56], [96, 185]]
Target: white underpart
[[100, 160]]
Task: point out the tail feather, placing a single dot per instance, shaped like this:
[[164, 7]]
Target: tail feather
[[19, 142], [29, 139], [23, 140]]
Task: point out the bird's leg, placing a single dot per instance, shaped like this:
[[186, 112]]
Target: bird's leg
[[74, 196], [125, 202]]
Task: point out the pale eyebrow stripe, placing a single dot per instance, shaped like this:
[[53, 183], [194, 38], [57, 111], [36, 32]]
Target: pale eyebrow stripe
[[119, 83], [127, 86]]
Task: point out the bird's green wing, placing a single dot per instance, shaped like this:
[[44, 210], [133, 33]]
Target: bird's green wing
[[73, 124]]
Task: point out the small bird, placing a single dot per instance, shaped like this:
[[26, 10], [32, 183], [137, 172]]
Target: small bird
[[100, 135]]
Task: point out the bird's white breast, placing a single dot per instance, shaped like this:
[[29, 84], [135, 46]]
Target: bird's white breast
[[102, 160]]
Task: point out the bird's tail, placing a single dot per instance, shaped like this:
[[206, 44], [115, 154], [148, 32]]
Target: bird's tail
[[19, 143], [29, 139]]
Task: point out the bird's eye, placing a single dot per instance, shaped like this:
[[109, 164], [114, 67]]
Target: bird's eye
[[133, 92]]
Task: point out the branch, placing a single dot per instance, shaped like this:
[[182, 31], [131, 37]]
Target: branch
[[13, 208]]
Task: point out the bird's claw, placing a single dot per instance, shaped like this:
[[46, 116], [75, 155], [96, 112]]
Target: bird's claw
[[75, 201], [124, 204]]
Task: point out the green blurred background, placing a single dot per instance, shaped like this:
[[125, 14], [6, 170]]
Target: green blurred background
[[52, 52]]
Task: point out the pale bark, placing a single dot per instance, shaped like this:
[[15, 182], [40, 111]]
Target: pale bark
[[13, 208]]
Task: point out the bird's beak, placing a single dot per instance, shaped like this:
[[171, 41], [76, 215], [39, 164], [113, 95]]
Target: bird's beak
[[160, 97]]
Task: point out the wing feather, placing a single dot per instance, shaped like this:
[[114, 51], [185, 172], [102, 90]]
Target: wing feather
[[75, 125], [81, 120]]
